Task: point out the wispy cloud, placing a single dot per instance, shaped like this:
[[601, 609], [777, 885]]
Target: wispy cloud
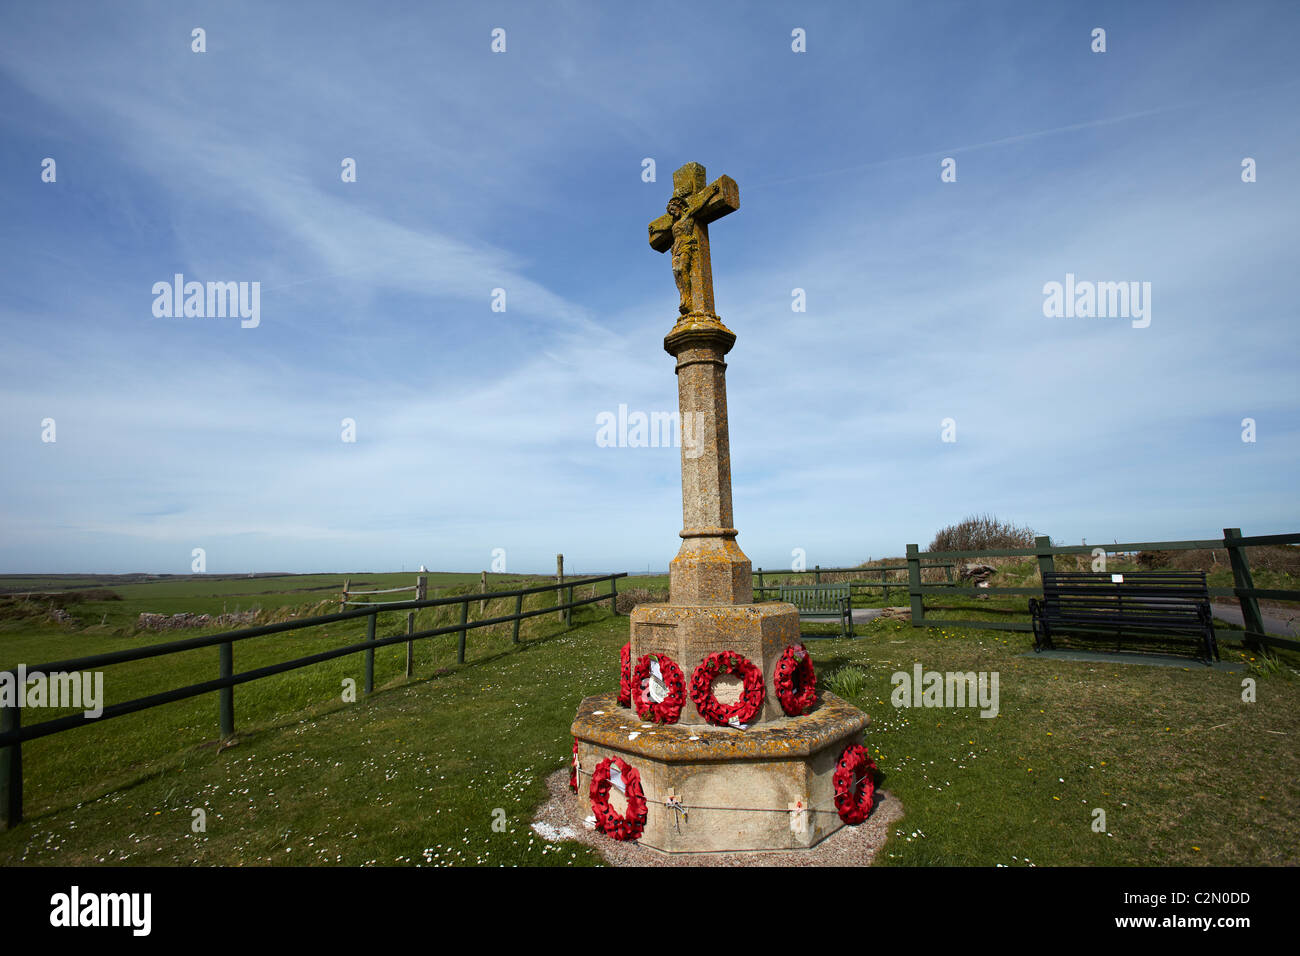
[[475, 428]]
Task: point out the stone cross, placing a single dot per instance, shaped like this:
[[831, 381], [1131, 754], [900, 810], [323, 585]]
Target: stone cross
[[710, 569], [739, 779], [684, 229]]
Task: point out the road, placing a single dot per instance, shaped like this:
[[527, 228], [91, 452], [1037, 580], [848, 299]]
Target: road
[[1273, 624]]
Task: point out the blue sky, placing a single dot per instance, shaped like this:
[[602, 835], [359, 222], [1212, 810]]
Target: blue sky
[[522, 170]]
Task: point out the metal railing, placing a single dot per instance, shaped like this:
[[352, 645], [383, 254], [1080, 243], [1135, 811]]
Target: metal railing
[[13, 734]]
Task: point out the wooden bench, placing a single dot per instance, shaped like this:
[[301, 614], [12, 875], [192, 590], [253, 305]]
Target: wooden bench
[[1136, 607], [826, 602]]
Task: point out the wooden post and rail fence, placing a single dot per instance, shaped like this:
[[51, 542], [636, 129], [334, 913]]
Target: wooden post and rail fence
[[1243, 587], [421, 589], [13, 734]]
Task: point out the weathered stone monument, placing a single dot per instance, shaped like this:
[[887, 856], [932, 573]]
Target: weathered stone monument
[[738, 752]]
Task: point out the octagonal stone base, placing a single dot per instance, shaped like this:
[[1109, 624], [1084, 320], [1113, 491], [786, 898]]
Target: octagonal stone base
[[738, 787]]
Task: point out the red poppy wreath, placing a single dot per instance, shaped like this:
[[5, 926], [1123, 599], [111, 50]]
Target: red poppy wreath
[[667, 710], [794, 681], [855, 784], [629, 824], [573, 767], [751, 697]]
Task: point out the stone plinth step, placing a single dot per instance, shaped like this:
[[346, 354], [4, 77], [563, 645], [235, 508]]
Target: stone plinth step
[[602, 721]]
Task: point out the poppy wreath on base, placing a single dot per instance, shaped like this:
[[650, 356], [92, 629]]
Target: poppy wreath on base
[[573, 767], [794, 681], [854, 769], [629, 824], [727, 662], [625, 675], [669, 709]]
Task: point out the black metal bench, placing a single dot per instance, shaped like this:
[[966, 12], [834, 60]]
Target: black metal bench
[[1138, 608], [827, 602]]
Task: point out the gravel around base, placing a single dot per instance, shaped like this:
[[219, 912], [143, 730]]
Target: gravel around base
[[562, 816]]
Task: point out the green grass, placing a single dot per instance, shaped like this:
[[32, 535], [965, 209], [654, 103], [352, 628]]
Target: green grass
[[420, 764], [1186, 772], [77, 765]]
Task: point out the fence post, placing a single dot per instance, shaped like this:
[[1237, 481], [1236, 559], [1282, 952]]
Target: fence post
[[410, 645], [613, 596], [1046, 563], [226, 696], [1241, 578], [914, 585], [343, 601], [421, 594], [559, 579], [817, 574], [370, 652], [464, 616], [11, 766], [519, 609], [884, 586], [482, 605]]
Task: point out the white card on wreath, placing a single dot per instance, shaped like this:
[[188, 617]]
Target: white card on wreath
[[616, 779], [657, 690]]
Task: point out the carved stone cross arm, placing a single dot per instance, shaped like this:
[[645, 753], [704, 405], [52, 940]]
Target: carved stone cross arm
[[684, 230], [721, 198]]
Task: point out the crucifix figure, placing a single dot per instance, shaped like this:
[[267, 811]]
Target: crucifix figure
[[685, 230]]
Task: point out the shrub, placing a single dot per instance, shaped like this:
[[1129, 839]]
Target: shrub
[[982, 532]]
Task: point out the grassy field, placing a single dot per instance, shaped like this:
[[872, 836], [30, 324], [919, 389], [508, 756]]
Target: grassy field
[[75, 765], [417, 774]]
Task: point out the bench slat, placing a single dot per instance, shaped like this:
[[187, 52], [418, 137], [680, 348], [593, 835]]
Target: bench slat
[[1146, 605]]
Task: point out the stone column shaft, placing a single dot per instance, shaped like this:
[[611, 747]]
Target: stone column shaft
[[710, 568], [706, 447]]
